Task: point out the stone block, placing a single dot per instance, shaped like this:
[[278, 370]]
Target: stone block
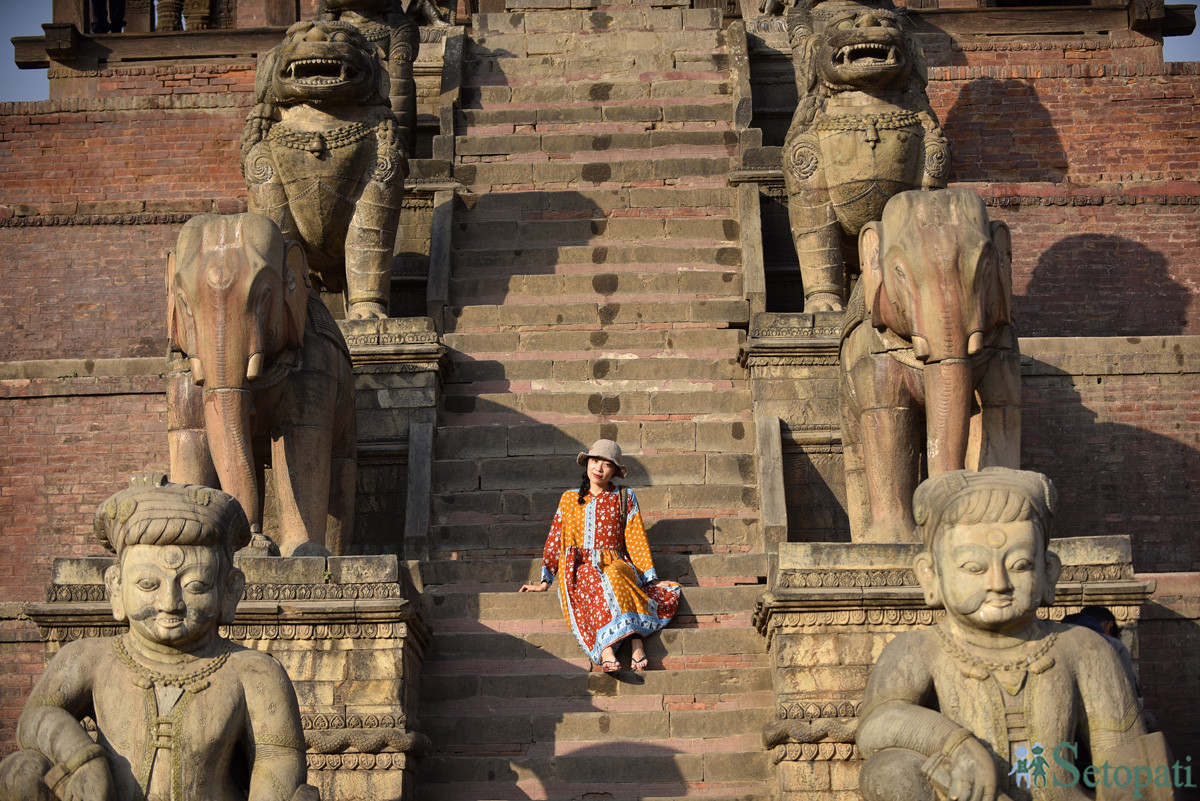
[[804, 776], [675, 435], [735, 401], [670, 469], [725, 437], [520, 473], [604, 726], [80, 570], [708, 496], [471, 442], [722, 468], [747, 767], [569, 114], [633, 114], [455, 475], [363, 569], [282, 570]]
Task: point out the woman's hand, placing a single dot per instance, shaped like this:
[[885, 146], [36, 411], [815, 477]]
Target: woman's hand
[[540, 587]]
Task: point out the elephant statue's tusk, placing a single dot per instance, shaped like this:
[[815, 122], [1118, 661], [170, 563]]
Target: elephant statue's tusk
[[254, 368]]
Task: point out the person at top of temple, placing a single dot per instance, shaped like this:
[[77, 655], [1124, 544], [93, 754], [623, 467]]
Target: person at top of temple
[[597, 548]]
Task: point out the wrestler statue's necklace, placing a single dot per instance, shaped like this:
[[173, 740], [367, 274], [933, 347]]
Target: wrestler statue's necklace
[[1010, 674]]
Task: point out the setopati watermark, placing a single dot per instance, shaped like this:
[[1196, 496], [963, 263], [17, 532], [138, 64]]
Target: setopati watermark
[[1034, 767]]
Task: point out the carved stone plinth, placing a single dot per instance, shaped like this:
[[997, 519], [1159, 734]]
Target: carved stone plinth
[[831, 609], [397, 379], [344, 630]]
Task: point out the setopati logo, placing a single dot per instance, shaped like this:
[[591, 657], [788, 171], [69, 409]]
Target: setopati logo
[[1034, 767]]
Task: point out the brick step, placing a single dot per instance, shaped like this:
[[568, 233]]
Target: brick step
[[670, 87], [533, 258], [631, 52], [628, 770], [450, 610], [528, 473], [723, 312], [512, 346], [629, 401], [601, 146], [650, 201], [552, 288], [485, 234], [495, 572], [530, 375], [570, 21], [684, 519], [609, 75], [694, 534], [552, 118], [576, 690], [564, 442], [469, 725], [571, 172]]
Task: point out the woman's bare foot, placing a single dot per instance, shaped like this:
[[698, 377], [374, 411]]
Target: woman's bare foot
[[608, 661], [638, 660]]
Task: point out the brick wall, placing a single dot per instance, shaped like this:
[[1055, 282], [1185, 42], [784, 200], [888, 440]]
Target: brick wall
[[1169, 663], [65, 446]]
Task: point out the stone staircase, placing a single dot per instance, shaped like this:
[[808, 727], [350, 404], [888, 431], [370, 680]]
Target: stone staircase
[[595, 290]]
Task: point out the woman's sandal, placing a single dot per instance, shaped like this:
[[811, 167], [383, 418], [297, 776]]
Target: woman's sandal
[[637, 663], [610, 666]]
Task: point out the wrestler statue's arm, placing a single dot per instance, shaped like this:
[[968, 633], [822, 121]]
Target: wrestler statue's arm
[[897, 713], [50, 724], [278, 766]]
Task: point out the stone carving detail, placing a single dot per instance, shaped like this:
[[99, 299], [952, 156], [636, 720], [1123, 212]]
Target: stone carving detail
[[397, 39], [335, 631], [928, 337], [172, 700], [319, 592], [946, 708], [863, 131], [366, 741], [897, 577], [324, 158], [259, 366]]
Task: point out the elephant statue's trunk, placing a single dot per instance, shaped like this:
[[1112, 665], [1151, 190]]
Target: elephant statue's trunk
[[227, 418], [948, 396]]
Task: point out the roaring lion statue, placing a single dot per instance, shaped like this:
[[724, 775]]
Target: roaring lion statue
[[863, 131], [325, 159]]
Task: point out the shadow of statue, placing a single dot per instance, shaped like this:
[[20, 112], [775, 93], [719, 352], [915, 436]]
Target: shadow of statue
[[1112, 478], [1000, 131], [1099, 285]]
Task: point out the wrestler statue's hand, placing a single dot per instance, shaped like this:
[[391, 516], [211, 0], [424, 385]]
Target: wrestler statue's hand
[[90, 782], [972, 773]]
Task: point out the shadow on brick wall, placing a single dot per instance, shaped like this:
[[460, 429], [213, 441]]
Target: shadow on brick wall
[[1113, 478], [1099, 285], [999, 130]]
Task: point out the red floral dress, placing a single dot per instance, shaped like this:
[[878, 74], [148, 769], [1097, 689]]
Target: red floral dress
[[604, 572]]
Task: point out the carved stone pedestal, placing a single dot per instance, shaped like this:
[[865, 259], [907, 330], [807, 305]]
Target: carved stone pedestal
[[831, 609], [343, 629]]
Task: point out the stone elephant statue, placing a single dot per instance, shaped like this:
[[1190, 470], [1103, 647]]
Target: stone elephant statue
[[260, 374], [931, 376]]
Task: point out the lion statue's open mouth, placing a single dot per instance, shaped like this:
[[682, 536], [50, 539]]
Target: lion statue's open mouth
[[321, 71], [867, 54]]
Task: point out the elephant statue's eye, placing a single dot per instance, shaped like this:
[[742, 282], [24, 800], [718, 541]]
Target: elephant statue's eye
[[898, 271]]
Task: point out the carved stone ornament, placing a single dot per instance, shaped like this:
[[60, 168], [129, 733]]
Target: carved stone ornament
[[959, 709], [171, 699], [259, 367], [928, 337], [325, 159], [863, 130]]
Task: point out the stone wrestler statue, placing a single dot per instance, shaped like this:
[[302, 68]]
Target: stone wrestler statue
[[183, 713], [957, 710]]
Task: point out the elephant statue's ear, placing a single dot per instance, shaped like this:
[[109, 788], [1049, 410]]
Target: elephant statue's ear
[[1002, 241], [176, 331], [870, 261], [295, 293]]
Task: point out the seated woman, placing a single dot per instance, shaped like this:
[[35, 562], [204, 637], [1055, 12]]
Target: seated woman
[[597, 547]]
